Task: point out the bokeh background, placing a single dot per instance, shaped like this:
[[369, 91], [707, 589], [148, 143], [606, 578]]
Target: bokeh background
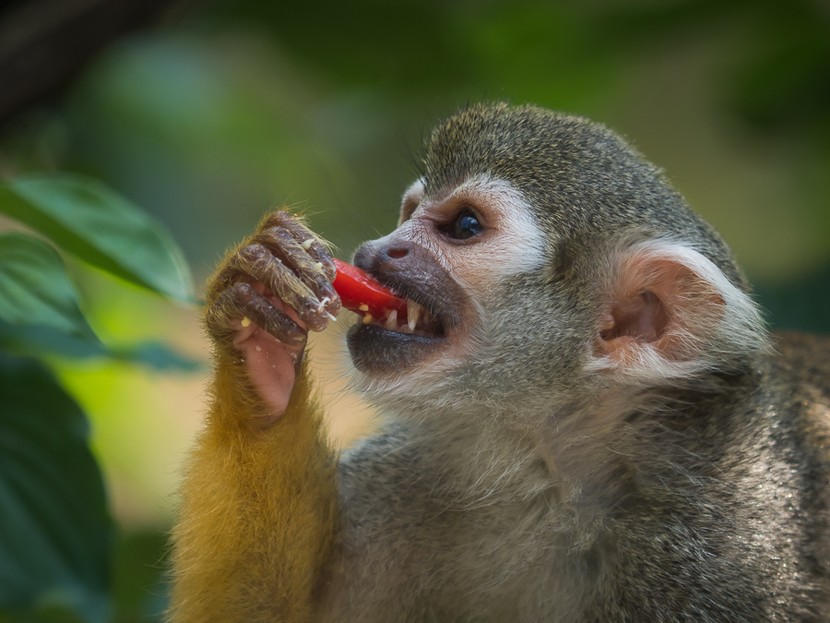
[[208, 114]]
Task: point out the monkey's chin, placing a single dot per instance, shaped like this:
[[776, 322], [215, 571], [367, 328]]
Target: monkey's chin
[[379, 351]]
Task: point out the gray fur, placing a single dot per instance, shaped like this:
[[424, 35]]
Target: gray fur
[[525, 488]]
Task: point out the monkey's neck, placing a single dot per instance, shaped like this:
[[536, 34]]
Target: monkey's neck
[[621, 447], [474, 457], [585, 459]]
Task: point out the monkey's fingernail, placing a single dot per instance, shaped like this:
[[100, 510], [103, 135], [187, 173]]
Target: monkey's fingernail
[[321, 309], [245, 322]]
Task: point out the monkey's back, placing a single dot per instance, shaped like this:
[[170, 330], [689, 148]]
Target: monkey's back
[[807, 359], [801, 370], [737, 528]]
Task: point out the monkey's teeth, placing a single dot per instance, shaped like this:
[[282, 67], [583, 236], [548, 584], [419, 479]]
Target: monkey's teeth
[[413, 313], [392, 320]]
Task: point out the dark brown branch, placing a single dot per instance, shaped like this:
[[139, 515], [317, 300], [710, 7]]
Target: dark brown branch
[[44, 44]]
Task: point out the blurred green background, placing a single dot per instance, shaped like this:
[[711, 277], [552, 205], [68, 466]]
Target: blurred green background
[[221, 110]]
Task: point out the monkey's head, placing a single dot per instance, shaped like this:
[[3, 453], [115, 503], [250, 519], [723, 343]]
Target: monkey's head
[[545, 260]]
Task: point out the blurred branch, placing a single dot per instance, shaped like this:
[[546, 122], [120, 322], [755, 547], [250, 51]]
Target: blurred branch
[[44, 44]]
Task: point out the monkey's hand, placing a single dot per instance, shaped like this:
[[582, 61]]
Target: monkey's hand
[[263, 300]]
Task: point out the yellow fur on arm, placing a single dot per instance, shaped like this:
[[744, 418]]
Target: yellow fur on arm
[[258, 510]]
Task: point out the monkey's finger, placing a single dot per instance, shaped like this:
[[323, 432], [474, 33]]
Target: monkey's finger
[[309, 271], [307, 239], [257, 261], [240, 302]]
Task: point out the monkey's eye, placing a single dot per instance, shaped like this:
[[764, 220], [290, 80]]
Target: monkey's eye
[[465, 225]]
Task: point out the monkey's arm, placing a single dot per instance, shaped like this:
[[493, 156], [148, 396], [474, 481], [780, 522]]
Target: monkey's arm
[[258, 501]]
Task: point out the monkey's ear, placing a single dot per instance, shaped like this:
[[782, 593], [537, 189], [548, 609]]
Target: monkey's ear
[[670, 312]]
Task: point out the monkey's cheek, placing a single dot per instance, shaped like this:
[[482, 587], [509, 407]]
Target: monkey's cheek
[[379, 351]]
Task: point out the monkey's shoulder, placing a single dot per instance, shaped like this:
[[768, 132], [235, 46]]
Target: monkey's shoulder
[[384, 475], [797, 385], [804, 358], [376, 457]]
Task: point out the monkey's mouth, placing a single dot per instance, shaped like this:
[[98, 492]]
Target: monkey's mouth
[[385, 306], [417, 320], [392, 341]]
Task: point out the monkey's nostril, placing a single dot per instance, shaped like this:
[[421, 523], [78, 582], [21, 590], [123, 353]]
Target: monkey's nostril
[[397, 253]]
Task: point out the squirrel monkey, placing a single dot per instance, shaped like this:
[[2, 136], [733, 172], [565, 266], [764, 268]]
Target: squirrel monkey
[[583, 416]]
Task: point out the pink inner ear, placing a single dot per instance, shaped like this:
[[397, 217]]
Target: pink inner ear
[[642, 317], [660, 303]]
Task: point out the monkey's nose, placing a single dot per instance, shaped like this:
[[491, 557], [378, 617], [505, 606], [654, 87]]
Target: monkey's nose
[[376, 253]]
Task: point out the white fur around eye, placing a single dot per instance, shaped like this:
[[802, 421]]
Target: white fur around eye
[[519, 243], [411, 198]]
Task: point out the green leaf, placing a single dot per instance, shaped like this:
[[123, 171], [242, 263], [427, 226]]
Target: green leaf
[[35, 289], [55, 531], [140, 591], [87, 219], [44, 341], [155, 355]]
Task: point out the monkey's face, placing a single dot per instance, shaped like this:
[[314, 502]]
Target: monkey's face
[[448, 257], [546, 262]]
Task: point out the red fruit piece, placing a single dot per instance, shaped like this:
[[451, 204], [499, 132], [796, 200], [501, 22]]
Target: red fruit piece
[[360, 293]]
